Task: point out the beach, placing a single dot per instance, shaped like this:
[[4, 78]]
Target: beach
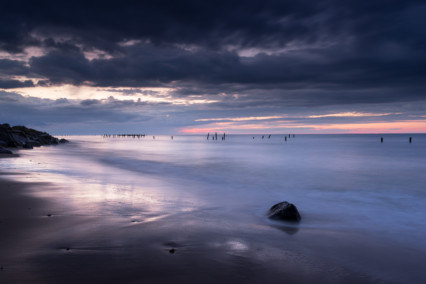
[[189, 211]]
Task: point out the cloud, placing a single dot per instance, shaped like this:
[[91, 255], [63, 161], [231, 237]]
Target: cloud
[[291, 77], [242, 118], [89, 102], [13, 67], [351, 114], [17, 109], [10, 84], [233, 58]]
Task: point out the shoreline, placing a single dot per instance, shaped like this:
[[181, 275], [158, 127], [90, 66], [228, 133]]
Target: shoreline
[[38, 248]]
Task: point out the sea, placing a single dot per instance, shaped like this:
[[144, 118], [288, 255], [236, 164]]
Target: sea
[[362, 200]]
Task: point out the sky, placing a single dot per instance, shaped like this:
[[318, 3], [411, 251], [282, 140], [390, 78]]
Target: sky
[[189, 67]]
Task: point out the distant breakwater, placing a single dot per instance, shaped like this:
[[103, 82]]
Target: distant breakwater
[[209, 136], [123, 135]]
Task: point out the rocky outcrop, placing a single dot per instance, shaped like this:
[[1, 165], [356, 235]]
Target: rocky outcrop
[[23, 137], [284, 211]]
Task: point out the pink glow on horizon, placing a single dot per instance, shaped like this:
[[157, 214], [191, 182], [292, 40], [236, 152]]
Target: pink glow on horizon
[[198, 130], [409, 126], [412, 126]]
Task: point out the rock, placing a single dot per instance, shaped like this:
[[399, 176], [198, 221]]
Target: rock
[[284, 211], [5, 151], [21, 136], [35, 144], [63, 141], [27, 145], [5, 137]]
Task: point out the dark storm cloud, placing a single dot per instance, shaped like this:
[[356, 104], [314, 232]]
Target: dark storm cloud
[[301, 52], [62, 67], [145, 65], [207, 23], [10, 84], [11, 68], [101, 24]]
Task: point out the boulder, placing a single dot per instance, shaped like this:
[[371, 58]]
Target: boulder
[[63, 141], [284, 211], [19, 138], [28, 145], [5, 136]]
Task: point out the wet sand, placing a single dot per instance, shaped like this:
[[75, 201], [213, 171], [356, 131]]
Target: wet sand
[[48, 237], [39, 246]]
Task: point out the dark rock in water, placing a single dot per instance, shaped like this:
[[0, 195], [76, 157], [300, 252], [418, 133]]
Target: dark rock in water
[[172, 251], [63, 141], [284, 211], [5, 151]]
